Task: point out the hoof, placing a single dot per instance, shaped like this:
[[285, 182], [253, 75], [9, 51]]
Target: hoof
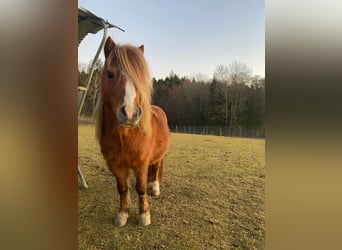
[[155, 193], [121, 219], [145, 219]]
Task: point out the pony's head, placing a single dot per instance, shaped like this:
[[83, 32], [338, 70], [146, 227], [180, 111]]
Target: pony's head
[[126, 85]]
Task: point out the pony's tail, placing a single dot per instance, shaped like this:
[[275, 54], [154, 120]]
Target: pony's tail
[[98, 119]]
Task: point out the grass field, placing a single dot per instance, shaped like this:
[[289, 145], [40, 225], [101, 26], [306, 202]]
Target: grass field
[[212, 197]]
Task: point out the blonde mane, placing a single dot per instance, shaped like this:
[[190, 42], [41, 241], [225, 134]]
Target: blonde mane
[[132, 62]]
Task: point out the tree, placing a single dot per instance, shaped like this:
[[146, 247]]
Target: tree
[[217, 104], [254, 114], [221, 75], [234, 78], [94, 86], [199, 77], [239, 74], [82, 75]]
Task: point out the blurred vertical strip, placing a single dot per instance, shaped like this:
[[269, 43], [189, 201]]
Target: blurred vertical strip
[[303, 124], [38, 124]]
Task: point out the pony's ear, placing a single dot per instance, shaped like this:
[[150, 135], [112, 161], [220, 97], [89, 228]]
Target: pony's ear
[[109, 46], [142, 48]]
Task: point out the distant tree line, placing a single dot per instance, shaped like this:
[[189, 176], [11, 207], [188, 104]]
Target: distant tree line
[[233, 98]]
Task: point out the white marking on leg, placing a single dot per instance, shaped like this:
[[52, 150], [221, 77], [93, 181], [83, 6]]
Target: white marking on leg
[[121, 219], [155, 188], [145, 219]]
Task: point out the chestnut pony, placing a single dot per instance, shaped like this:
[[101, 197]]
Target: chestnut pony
[[133, 134]]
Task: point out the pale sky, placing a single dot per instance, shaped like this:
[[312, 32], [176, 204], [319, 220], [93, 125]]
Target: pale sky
[[188, 36]]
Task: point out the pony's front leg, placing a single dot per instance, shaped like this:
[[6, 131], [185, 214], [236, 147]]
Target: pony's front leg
[[121, 175], [141, 186]]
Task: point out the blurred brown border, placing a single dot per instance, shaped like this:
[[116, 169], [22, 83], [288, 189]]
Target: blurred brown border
[[303, 125], [39, 125]]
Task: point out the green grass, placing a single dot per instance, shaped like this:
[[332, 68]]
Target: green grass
[[212, 197]]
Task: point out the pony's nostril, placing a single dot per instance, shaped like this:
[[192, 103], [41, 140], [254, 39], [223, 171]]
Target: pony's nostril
[[123, 111], [138, 113]]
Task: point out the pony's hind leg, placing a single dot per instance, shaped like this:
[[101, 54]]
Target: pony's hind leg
[[154, 178], [141, 185], [121, 175]]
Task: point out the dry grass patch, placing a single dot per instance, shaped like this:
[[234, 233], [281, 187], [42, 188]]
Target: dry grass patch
[[212, 197]]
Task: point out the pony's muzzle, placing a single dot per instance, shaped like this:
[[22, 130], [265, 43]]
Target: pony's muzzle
[[128, 117]]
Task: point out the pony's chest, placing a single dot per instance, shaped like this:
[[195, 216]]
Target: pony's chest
[[124, 149]]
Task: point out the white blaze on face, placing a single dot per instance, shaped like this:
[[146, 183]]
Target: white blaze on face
[[129, 98]]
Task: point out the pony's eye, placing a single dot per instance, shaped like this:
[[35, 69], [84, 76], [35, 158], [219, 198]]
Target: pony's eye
[[110, 75]]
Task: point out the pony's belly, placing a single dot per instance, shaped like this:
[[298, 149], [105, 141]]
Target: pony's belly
[[134, 153]]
